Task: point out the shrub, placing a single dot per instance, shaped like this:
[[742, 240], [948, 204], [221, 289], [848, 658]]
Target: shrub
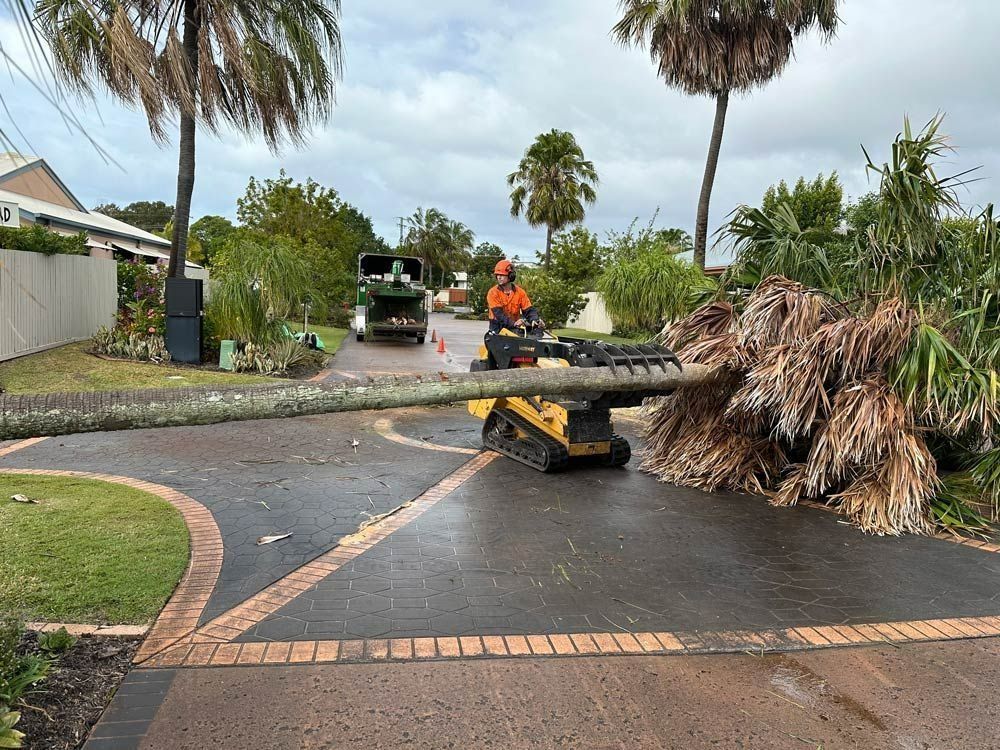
[[479, 285], [556, 300], [643, 291], [276, 359], [37, 239], [340, 317], [119, 342], [260, 282], [56, 641]]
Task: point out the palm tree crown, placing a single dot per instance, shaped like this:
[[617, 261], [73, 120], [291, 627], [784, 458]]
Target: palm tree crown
[[551, 184], [261, 66], [714, 47]]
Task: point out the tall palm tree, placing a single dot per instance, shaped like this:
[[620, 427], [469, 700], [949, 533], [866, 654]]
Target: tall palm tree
[[715, 47], [260, 66], [458, 243], [424, 237], [551, 184]]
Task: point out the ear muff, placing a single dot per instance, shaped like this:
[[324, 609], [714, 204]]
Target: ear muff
[[512, 275]]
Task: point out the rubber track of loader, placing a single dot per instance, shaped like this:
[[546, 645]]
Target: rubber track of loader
[[528, 451]]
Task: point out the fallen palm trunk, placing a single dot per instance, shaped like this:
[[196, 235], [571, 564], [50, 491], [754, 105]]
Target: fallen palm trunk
[[62, 414]]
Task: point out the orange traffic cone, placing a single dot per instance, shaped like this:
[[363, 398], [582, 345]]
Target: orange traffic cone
[[434, 336], [441, 348]]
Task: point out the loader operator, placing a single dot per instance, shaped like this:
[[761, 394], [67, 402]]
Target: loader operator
[[509, 304]]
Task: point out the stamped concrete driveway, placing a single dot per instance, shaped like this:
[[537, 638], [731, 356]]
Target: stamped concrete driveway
[[433, 596]]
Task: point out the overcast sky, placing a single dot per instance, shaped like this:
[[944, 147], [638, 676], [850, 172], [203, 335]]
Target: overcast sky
[[440, 98]]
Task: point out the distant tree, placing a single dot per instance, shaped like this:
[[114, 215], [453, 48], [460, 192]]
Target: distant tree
[[714, 47], [196, 253], [484, 259], [552, 183], [577, 258], [425, 237], [862, 213], [256, 66], [211, 232], [815, 205], [328, 232], [457, 247], [677, 238], [150, 216]]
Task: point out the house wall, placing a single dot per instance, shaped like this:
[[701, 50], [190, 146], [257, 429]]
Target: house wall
[[36, 183], [594, 317], [48, 300]]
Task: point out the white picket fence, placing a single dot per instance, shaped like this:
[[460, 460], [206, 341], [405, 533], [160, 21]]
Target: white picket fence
[[48, 300]]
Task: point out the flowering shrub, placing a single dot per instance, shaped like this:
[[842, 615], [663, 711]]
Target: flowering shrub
[[141, 305]]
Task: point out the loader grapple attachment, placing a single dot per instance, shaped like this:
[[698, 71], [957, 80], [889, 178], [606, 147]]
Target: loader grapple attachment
[[551, 433]]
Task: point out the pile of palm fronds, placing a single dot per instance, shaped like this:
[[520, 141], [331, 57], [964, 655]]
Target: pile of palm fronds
[[879, 395]]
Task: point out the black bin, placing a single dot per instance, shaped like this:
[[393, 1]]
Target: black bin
[[184, 314]]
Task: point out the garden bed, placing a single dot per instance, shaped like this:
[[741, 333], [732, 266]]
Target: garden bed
[[76, 691]]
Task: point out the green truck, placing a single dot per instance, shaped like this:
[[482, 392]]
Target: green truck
[[391, 300]]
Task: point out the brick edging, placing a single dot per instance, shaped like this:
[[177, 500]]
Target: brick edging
[[574, 644], [180, 615], [263, 604], [26, 443]]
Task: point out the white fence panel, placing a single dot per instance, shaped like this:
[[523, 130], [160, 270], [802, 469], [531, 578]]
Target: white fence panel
[[48, 300], [593, 317]]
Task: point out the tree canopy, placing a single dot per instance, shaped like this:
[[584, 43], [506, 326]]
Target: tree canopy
[[150, 216], [327, 232], [815, 205], [552, 183], [714, 47]]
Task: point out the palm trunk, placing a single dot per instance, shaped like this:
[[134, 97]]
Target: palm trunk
[[185, 160], [36, 416], [701, 225], [548, 245]]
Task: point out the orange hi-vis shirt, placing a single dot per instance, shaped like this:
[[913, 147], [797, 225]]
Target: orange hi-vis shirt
[[510, 304]]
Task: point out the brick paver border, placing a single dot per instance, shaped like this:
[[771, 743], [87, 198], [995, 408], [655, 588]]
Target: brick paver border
[[7, 450], [263, 604], [573, 644], [179, 617]]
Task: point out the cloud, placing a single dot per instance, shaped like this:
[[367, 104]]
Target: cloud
[[438, 104]]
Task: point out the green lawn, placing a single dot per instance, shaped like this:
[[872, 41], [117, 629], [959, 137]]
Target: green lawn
[[70, 368], [89, 552], [332, 337], [579, 333]]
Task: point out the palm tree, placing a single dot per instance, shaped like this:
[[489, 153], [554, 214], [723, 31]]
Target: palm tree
[[424, 238], [458, 243], [256, 65], [551, 184], [714, 47]]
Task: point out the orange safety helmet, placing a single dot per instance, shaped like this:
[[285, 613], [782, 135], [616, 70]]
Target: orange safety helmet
[[506, 268]]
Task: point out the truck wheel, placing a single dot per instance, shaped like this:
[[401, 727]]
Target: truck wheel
[[420, 339]]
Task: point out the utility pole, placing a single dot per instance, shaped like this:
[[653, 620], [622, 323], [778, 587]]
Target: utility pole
[[401, 220]]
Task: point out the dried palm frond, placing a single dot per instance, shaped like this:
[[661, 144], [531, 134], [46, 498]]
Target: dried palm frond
[[792, 487], [713, 319], [723, 350], [786, 388], [715, 456], [894, 497], [782, 312]]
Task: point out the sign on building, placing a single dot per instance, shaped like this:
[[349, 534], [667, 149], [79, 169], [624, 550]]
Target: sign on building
[[10, 216]]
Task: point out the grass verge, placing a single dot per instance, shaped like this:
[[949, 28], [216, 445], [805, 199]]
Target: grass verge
[[71, 368], [88, 552], [579, 333], [332, 337]]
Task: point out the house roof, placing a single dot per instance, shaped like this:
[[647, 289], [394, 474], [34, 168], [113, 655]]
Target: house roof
[[83, 220], [13, 164]]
